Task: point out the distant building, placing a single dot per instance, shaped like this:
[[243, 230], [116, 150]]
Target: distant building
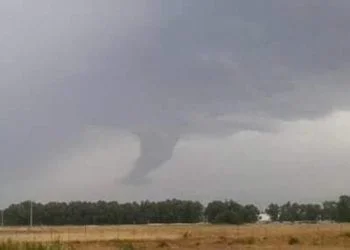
[[264, 218]]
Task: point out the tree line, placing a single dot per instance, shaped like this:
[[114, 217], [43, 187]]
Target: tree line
[[338, 211], [170, 211]]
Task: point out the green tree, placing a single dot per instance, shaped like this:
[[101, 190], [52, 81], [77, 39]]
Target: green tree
[[273, 210], [213, 209], [228, 217], [330, 210], [250, 213], [344, 208], [311, 212]]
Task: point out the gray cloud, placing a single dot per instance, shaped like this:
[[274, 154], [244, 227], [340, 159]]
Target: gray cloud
[[163, 70]]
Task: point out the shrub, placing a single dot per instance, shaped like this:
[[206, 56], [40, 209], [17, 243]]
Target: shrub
[[163, 244], [293, 241]]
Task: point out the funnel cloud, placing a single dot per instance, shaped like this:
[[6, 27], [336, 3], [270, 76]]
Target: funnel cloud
[[156, 149]]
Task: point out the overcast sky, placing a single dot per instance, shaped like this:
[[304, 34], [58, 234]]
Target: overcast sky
[[195, 99]]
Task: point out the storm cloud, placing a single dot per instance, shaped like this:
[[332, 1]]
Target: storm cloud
[[163, 71]]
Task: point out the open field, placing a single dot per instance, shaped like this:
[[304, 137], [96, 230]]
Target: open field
[[273, 236]]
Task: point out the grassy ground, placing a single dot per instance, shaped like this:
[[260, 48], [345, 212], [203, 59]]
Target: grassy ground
[[302, 236]]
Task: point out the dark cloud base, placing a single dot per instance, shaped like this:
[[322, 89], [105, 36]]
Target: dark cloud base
[[178, 62]]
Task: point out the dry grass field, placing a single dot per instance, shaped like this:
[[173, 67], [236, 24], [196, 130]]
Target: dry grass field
[[273, 236]]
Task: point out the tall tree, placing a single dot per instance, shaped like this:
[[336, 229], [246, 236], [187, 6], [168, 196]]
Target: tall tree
[[273, 210], [330, 210], [344, 208]]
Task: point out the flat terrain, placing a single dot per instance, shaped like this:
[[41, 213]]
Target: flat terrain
[[272, 236]]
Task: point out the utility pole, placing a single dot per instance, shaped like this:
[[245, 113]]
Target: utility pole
[[31, 213]]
